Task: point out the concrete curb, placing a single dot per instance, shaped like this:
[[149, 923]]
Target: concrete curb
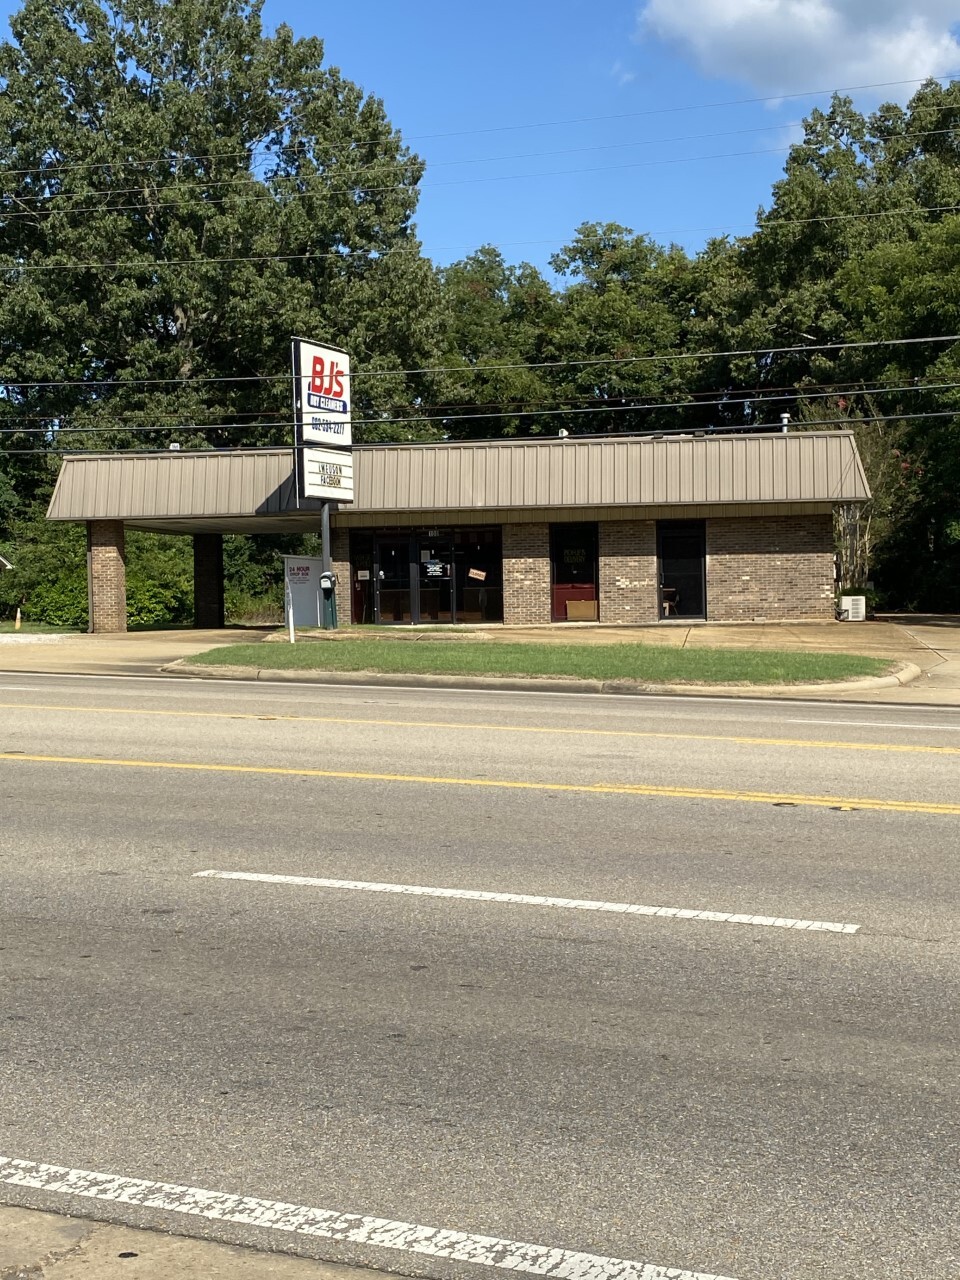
[[905, 673]]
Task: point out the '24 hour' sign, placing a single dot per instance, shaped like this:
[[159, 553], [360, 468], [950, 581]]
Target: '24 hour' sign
[[322, 376]]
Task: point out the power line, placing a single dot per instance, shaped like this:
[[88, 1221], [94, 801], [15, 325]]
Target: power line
[[735, 399], [821, 422], [703, 106], [248, 176], [154, 264], [809, 348], [742, 396], [271, 149], [283, 198]]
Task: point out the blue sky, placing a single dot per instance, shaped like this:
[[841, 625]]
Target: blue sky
[[481, 91], [537, 115]]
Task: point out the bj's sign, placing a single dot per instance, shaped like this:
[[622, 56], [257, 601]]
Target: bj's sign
[[322, 394]]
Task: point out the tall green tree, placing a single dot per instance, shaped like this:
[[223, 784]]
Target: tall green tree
[[181, 190], [498, 322], [624, 304]]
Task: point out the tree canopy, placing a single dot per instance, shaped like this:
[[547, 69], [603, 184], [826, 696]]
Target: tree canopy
[[179, 193]]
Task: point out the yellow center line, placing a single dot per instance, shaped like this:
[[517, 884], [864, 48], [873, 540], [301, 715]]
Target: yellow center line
[[509, 784], [736, 739]]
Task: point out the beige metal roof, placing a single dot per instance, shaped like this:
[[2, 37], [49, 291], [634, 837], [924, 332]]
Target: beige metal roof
[[239, 490], [638, 471], [247, 490]]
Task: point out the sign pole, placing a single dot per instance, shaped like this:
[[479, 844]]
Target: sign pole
[[323, 443], [288, 601], [329, 606]]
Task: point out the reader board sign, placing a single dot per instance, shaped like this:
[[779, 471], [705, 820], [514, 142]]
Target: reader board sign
[[326, 474], [322, 394], [302, 590]]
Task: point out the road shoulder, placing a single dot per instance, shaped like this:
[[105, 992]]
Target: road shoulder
[[50, 1246]]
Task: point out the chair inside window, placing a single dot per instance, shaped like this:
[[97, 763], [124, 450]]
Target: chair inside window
[[670, 600]]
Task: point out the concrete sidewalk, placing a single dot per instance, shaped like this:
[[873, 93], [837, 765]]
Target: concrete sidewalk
[[930, 642], [132, 653], [48, 1246]]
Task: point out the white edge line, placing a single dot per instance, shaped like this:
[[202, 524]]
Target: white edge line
[[531, 900], [881, 724], [351, 1228]]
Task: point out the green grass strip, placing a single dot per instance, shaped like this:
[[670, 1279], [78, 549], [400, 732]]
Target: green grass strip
[[643, 662]]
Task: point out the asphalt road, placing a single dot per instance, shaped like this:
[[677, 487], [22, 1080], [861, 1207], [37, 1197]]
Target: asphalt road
[[747, 1100]]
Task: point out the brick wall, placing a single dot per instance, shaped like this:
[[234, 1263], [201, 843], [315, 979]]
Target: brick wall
[[526, 574], [340, 564], [771, 567], [628, 571], [107, 575]]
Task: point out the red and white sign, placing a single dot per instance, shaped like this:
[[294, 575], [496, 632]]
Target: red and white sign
[[322, 394]]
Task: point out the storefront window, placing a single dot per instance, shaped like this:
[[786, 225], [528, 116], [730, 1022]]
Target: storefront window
[[427, 575], [573, 565], [478, 557], [682, 547]]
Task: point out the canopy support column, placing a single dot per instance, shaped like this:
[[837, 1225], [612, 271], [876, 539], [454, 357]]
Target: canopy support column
[[208, 604], [106, 576]]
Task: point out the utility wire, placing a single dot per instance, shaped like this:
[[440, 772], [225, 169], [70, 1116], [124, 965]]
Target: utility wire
[[693, 106], [271, 417], [438, 413], [810, 348], [283, 198], [247, 176], [755, 427], [277, 149], [322, 169], [347, 255]]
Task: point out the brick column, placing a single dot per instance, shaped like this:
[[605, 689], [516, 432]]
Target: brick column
[[526, 574], [208, 608], [628, 571], [106, 576], [340, 564]]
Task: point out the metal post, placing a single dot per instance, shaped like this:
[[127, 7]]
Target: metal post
[[329, 601], [325, 537]]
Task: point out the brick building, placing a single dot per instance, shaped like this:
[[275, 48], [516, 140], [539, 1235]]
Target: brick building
[[725, 528], [735, 528]]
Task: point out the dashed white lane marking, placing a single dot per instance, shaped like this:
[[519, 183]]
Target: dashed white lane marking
[[880, 724], [532, 900], [435, 1242]]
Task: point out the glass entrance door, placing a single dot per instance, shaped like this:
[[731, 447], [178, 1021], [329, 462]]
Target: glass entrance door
[[682, 551], [434, 557], [393, 597]]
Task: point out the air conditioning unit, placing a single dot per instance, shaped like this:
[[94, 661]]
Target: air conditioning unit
[[853, 608]]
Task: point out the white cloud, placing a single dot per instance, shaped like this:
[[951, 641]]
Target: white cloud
[[622, 74], [788, 46]]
